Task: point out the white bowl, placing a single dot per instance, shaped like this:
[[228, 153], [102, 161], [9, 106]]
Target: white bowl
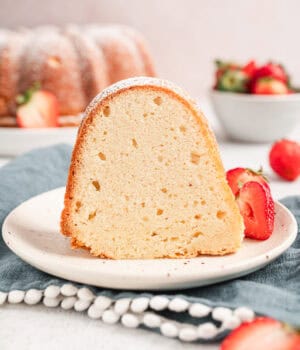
[[256, 118]]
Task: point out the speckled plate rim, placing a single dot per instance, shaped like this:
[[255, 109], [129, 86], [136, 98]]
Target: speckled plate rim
[[31, 231]]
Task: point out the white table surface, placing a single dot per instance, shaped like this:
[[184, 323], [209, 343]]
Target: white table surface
[[34, 328]]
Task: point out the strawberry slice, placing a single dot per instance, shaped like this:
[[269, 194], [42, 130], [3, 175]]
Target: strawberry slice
[[237, 177], [269, 86], [263, 333], [257, 209], [37, 109]]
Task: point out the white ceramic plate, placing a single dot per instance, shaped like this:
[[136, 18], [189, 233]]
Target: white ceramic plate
[[14, 141], [32, 232]]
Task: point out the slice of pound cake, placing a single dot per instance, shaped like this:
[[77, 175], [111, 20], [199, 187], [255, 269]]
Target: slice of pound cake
[[146, 179]]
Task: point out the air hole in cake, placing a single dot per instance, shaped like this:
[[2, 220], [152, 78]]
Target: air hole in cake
[[203, 202], [160, 158], [97, 186], [102, 156], [220, 214], [164, 190], [175, 138], [145, 115], [145, 218], [92, 215], [54, 61], [134, 143], [106, 111], [197, 234], [78, 206], [197, 217], [211, 188], [143, 204], [172, 129], [126, 197], [174, 239], [104, 133], [182, 221], [159, 211], [182, 128], [195, 203], [153, 234], [158, 100], [195, 158]]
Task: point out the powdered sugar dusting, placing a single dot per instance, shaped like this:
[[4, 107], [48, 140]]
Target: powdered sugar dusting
[[119, 50], [137, 81], [72, 62]]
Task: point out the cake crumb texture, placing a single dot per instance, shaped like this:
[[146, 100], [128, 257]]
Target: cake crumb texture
[[146, 179]]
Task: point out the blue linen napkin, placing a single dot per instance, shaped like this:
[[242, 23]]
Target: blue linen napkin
[[273, 290]]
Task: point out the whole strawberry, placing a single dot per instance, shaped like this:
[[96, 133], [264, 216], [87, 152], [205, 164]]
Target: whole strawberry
[[284, 159], [269, 86], [263, 333], [271, 70]]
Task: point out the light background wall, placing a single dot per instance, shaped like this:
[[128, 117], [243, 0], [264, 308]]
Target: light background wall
[[185, 35]]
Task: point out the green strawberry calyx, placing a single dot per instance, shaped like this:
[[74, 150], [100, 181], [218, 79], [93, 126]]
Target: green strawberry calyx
[[26, 96], [259, 172]]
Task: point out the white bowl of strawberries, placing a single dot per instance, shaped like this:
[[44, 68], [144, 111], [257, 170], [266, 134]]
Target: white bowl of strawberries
[[255, 104]]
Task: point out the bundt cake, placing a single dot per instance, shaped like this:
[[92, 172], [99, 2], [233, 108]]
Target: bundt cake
[[146, 179], [74, 63]]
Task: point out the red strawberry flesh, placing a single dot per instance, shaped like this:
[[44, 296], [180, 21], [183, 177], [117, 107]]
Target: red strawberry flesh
[[257, 208], [40, 111]]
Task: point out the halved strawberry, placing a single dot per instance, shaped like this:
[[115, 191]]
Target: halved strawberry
[[237, 177], [37, 109], [269, 86], [263, 333], [284, 159], [257, 209]]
